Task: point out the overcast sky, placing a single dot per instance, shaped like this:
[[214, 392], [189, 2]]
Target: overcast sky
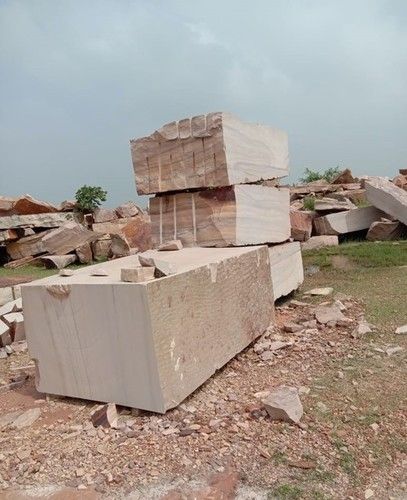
[[79, 78]]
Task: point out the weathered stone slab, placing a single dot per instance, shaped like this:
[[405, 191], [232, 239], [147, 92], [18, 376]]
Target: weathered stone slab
[[101, 248], [333, 205], [286, 268], [67, 238], [236, 215], [387, 197], [347, 222], [386, 231], [84, 253], [211, 150], [8, 235], [29, 245], [112, 227], [301, 224], [104, 215], [126, 210], [40, 220], [157, 341], [316, 242]]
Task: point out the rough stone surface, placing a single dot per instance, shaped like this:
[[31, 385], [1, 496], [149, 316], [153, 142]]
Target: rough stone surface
[[286, 268], [27, 418], [301, 224], [326, 314], [386, 231], [387, 197], [283, 404], [211, 150], [357, 219], [316, 242], [129, 209], [170, 245]]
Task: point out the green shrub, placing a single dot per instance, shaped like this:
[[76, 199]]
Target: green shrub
[[312, 175], [309, 202], [88, 198]]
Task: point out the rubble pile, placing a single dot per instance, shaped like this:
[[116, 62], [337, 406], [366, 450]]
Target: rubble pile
[[322, 212], [33, 231]]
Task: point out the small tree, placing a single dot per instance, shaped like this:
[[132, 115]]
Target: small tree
[[88, 198], [328, 175]]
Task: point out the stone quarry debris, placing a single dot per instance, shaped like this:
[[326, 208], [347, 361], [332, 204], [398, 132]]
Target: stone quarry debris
[[67, 238], [385, 196], [105, 416], [170, 245], [301, 224], [84, 253], [47, 220], [316, 242], [26, 246], [284, 404], [344, 177], [142, 370], [26, 419], [237, 215], [104, 215], [401, 329], [208, 151], [327, 314], [66, 272], [347, 222], [57, 261], [386, 230], [286, 268], [126, 210], [332, 205]]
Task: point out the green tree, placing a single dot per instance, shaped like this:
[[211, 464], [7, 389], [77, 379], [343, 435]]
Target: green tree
[[88, 198]]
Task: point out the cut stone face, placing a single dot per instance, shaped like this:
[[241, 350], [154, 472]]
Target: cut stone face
[[236, 215], [208, 151], [147, 345], [287, 272]]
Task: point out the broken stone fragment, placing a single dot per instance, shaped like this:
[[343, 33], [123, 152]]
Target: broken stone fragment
[[66, 272], [27, 418], [325, 314], [99, 272], [401, 329], [105, 416], [316, 242], [137, 274], [58, 261], [170, 246], [292, 327], [283, 404], [126, 210], [362, 328]]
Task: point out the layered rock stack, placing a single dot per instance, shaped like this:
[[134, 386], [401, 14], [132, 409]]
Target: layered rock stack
[[215, 181]]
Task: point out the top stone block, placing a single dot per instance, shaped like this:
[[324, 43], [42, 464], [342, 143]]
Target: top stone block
[[208, 151]]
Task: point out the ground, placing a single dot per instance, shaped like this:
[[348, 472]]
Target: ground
[[351, 442]]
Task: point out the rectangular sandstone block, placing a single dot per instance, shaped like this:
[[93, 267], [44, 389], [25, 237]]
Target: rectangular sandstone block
[[286, 268], [347, 222], [208, 151], [230, 216], [147, 345]]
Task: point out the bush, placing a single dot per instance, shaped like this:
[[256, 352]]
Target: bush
[[309, 202], [88, 198], [328, 175]]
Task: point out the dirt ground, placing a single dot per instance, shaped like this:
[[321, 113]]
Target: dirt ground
[[220, 443]]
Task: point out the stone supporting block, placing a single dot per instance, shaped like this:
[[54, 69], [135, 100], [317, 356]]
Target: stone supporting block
[[230, 216], [147, 345], [208, 151], [286, 268]]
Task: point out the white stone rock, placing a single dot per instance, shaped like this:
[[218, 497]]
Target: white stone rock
[[284, 403]]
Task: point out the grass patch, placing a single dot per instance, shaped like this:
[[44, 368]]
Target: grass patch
[[36, 272], [365, 254], [286, 492], [278, 457], [309, 203]]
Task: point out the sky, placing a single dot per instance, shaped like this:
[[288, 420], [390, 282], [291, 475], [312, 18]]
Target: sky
[[80, 78]]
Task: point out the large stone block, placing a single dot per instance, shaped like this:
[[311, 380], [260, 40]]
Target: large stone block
[[387, 197], [357, 219], [208, 151], [235, 215], [147, 345]]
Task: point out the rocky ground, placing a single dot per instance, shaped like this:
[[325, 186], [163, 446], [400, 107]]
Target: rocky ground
[[220, 443]]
